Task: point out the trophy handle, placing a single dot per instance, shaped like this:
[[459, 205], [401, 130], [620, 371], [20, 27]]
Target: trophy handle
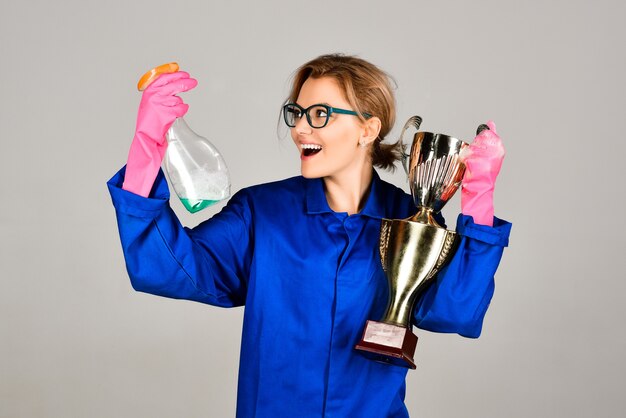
[[415, 121]]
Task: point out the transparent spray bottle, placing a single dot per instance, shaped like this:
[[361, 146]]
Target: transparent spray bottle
[[196, 169]]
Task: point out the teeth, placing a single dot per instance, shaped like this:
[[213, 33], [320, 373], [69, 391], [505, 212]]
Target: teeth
[[311, 146]]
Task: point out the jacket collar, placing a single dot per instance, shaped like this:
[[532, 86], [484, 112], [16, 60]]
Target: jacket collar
[[316, 199]]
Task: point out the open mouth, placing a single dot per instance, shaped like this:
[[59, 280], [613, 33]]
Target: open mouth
[[310, 149]]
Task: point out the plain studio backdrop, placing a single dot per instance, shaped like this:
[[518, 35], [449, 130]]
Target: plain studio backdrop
[[77, 341]]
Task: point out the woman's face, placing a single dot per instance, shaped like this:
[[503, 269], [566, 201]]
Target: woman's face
[[338, 142]]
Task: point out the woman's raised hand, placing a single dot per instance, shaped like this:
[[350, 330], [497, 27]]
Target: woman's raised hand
[[158, 109], [483, 160]]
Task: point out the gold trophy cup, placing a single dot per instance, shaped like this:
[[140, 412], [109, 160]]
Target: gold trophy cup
[[413, 250]]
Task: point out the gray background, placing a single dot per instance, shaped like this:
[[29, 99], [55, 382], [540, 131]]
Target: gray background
[[77, 341]]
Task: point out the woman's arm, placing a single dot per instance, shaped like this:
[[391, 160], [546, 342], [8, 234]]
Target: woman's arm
[[458, 299], [207, 264]]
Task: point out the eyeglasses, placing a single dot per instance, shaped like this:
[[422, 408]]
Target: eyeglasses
[[317, 115]]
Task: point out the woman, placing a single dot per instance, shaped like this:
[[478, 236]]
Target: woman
[[302, 253]]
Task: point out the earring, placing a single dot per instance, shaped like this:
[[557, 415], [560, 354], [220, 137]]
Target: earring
[[362, 144]]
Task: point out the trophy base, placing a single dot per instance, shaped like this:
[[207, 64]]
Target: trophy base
[[388, 343]]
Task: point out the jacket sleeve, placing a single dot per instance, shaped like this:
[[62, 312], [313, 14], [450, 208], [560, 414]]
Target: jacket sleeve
[[458, 299], [208, 264]]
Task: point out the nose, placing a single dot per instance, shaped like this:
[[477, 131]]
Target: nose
[[302, 126]]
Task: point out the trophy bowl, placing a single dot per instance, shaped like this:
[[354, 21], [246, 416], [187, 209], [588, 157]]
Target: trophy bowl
[[435, 172]]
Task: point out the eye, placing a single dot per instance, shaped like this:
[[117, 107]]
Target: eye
[[319, 112], [293, 112]]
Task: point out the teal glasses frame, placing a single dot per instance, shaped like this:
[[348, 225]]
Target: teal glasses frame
[[289, 114]]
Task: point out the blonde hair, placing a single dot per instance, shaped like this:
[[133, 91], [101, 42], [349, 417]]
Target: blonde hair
[[368, 90]]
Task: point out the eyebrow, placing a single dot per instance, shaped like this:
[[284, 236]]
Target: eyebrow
[[314, 104]]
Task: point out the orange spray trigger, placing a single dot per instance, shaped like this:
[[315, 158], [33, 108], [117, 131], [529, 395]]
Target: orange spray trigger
[[147, 78]]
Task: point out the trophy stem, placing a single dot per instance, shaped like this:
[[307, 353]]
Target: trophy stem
[[425, 215], [400, 307]]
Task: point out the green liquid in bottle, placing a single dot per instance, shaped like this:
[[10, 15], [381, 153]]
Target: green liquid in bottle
[[196, 205]]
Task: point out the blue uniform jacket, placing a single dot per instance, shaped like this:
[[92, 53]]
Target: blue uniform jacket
[[309, 279]]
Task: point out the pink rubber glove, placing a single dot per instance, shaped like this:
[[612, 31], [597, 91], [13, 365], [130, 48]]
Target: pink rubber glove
[[483, 159], [158, 109]]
